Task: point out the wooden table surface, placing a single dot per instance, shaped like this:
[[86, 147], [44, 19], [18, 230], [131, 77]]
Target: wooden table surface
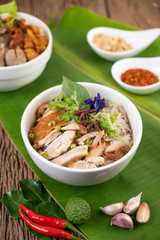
[[140, 13]]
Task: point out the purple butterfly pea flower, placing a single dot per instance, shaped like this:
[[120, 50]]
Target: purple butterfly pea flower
[[97, 103]]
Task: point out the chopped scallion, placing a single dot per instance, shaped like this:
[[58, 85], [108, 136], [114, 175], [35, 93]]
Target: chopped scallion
[[51, 123], [45, 155], [31, 135], [89, 141], [73, 145], [57, 128]]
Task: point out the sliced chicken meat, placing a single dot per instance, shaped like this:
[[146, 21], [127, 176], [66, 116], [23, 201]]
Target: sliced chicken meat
[[88, 164], [74, 154], [43, 127], [60, 144], [49, 138], [49, 111], [98, 161], [76, 127], [97, 151], [116, 150], [97, 139], [81, 140]]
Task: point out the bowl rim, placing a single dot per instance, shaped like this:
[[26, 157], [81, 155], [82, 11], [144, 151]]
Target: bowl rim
[[25, 16], [49, 163]]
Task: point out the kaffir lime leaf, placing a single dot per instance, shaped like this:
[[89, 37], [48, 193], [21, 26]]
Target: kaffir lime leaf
[[77, 210]]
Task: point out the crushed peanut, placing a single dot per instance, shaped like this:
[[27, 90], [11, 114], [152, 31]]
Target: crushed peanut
[[110, 43]]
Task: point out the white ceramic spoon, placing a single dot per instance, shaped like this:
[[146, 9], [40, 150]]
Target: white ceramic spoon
[[151, 64], [138, 40]]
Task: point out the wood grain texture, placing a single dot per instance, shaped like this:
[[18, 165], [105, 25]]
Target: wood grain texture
[[142, 14], [12, 169], [139, 13], [45, 9]]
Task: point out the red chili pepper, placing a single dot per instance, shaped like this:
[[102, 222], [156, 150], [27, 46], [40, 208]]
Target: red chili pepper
[[47, 231], [44, 220], [49, 221]]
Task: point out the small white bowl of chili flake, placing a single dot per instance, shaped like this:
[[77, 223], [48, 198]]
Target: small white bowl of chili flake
[[138, 75], [113, 44]]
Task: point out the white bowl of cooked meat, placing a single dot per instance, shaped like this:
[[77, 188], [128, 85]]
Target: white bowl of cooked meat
[[81, 134], [25, 48]]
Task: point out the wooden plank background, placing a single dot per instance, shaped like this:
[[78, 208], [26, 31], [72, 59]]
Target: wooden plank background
[[140, 13]]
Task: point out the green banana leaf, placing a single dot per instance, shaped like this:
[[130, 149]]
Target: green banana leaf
[[73, 58]]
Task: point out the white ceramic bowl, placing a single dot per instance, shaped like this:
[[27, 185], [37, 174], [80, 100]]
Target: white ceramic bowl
[[82, 177], [138, 40], [14, 77], [151, 64]]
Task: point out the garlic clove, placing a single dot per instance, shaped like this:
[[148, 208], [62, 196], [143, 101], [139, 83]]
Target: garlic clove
[[143, 213], [113, 209], [122, 220], [132, 204]]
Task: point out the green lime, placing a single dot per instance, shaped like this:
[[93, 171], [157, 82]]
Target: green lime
[[77, 210]]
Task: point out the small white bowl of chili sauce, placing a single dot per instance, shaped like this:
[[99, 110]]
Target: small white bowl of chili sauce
[[138, 75]]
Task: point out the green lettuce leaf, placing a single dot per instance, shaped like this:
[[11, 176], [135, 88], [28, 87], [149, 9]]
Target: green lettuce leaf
[[9, 8]]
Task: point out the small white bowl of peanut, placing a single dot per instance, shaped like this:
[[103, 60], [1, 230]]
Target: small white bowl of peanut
[[113, 44]]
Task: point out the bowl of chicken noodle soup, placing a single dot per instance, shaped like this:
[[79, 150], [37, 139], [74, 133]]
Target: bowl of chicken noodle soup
[[89, 148]]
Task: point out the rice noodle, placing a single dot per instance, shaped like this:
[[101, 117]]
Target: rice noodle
[[123, 126]]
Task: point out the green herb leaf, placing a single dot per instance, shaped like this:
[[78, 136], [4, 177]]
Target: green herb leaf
[[51, 209], [69, 87], [70, 104], [33, 190], [40, 236], [11, 201], [9, 8], [108, 123], [67, 116]]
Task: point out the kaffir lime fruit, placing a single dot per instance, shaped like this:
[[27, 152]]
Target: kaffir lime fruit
[[77, 210]]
